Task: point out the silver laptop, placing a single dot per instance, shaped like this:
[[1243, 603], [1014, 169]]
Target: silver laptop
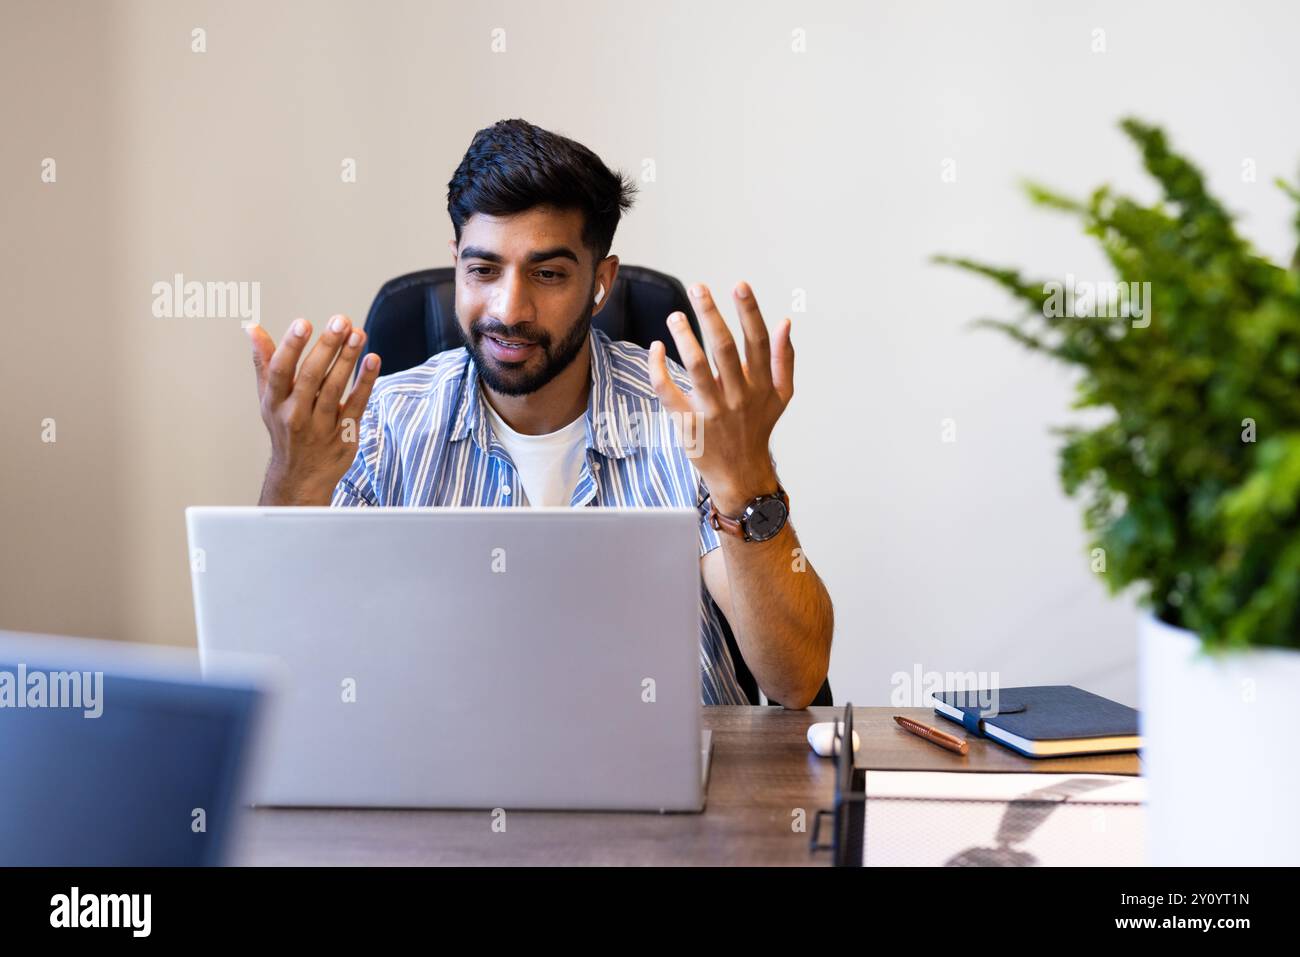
[[540, 658]]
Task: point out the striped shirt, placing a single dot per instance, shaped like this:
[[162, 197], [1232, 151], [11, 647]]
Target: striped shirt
[[425, 440]]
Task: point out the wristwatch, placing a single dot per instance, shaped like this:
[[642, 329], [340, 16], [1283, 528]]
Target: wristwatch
[[762, 519]]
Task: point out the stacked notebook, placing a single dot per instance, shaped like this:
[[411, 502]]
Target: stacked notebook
[[1047, 721]]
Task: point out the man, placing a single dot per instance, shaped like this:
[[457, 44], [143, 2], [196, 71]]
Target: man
[[540, 408]]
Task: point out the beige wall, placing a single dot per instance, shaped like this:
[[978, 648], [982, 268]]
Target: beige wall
[[65, 547], [817, 171]]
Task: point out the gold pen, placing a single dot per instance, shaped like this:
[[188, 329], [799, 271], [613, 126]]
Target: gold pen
[[941, 738]]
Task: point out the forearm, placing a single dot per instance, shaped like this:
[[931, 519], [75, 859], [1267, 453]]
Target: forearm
[[782, 616]]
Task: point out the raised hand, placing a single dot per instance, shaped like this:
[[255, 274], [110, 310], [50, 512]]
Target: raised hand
[[734, 411], [314, 430]]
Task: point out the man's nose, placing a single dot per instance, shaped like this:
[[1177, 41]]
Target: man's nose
[[511, 301]]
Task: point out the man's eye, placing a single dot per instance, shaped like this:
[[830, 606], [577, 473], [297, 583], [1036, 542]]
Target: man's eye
[[550, 274], [479, 270]]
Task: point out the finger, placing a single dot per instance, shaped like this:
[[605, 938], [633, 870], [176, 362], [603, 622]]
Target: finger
[[672, 397], [758, 354], [284, 361], [336, 380], [263, 349], [312, 374], [703, 386], [721, 344], [360, 395], [783, 362]]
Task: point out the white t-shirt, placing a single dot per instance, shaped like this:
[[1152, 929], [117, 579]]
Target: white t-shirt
[[549, 465]]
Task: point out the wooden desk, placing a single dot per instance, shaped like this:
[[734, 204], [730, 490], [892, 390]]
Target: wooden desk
[[762, 770]]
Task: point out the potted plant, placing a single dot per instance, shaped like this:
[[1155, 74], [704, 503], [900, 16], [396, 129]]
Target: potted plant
[[1192, 492]]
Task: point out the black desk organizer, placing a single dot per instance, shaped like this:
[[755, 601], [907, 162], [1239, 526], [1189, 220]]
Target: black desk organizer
[[847, 816]]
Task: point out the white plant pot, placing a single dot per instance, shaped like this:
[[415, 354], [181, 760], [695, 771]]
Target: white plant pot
[[1219, 751]]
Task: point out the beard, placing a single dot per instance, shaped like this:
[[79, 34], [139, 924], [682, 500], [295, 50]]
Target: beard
[[547, 361]]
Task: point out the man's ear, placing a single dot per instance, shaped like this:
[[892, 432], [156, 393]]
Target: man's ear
[[606, 273], [451, 244]]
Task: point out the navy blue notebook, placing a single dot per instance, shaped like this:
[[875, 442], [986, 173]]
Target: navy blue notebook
[[1047, 721]]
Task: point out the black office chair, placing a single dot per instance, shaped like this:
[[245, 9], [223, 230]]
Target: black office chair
[[414, 317]]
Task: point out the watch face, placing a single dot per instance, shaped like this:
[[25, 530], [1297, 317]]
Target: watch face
[[766, 519]]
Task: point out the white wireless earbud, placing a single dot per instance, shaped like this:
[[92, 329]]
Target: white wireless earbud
[[600, 293]]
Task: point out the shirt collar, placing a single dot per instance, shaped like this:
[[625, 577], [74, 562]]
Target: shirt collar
[[607, 414]]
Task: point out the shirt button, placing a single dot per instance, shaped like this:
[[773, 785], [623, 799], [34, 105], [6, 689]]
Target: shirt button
[[505, 490], [596, 466]]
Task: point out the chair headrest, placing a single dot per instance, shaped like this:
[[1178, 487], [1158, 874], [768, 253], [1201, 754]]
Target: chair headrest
[[413, 316]]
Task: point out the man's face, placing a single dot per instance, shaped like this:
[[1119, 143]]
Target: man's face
[[524, 295]]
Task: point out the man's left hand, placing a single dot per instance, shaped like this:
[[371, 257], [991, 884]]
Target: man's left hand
[[734, 411]]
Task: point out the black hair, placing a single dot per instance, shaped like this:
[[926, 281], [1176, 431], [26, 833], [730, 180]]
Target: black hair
[[512, 166]]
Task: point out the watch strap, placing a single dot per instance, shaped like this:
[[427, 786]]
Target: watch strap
[[734, 526]]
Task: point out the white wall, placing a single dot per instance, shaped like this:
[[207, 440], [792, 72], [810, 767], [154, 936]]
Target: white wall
[[817, 171]]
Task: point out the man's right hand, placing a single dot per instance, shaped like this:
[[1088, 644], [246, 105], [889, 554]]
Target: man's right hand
[[314, 434]]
